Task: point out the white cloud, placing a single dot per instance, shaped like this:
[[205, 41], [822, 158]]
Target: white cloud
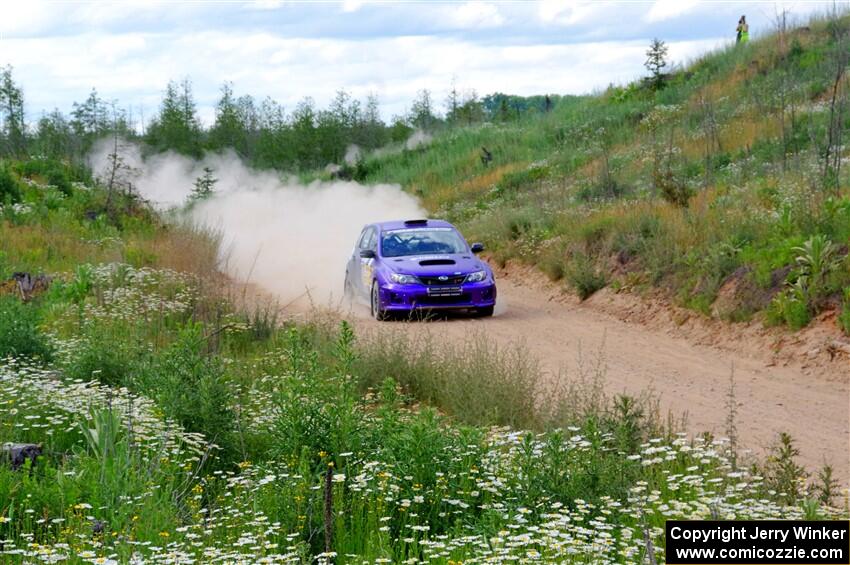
[[566, 12], [476, 14], [266, 4], [28, 18], [349, 6], [668, 9]]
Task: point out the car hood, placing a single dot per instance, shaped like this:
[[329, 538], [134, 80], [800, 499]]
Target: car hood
[[454, 264]]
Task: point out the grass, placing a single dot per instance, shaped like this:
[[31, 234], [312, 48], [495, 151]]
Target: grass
[[177, 426]]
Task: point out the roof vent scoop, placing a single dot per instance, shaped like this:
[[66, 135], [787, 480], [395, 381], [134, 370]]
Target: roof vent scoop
[[416, 222], [432, 262]]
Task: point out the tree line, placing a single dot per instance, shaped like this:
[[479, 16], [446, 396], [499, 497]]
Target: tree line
[[261, 131]]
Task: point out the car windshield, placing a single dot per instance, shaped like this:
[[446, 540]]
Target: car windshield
[[421, 241]]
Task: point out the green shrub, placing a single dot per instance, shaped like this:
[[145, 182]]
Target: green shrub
[[19, 333], [600, 189], [192, 389], [553, 266], [816, 259], [673, 190], [583, 276], [320, 411], [789, 307], [59, 179], [782, 473], [105, 355], [511, 182], [53, 172], [844, 315], [9, 189]]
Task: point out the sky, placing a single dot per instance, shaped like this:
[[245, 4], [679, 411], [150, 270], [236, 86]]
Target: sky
[[289, 50]]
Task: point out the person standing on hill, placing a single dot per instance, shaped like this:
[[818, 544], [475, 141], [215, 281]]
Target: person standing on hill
[[743, 30]]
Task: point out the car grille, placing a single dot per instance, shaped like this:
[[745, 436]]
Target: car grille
[[434, 280], [444, 300]]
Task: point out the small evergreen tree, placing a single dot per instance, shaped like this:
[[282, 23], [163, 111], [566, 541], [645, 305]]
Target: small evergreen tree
[[204, 185], [452, 103], [656, 60]]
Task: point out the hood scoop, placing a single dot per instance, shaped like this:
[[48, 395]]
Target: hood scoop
[[432, 262]]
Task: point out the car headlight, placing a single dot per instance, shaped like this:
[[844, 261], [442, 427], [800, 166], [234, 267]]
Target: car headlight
[[403, 279], [477, 276]]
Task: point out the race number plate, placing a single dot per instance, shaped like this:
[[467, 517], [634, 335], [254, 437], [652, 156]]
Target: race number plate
[[444, 291]]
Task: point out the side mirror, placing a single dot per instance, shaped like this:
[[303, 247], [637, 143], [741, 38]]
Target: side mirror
[[367, 253], [477, 247]]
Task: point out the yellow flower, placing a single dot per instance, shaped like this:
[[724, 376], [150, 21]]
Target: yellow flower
[[164, 534]]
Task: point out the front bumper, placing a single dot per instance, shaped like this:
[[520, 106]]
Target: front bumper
[[407, 297]]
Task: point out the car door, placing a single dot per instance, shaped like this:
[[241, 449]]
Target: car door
[[361, 267], [367, 264]]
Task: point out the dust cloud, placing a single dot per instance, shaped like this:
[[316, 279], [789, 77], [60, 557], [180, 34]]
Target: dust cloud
[[288, 237], [417, 139]]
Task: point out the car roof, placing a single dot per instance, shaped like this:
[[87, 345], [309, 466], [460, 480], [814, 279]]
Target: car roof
[[400, 225]]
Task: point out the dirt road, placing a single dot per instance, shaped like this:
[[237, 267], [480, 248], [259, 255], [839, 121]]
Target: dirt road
[[691, 378]]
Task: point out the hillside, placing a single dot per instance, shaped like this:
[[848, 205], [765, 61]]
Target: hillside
[[725, 187]]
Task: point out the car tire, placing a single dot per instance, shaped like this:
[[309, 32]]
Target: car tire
[[375, 304], [484, 312], [348, 288]]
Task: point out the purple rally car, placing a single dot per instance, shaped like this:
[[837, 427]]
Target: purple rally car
[[406, 266]]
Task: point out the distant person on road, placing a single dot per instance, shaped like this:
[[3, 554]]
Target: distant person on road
[[743, 30]]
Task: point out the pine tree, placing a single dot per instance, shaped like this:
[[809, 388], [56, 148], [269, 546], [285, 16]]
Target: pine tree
[[176, 127], [656, 60], [273, 148], [53, 136], [422, 112], [471, 110], [90, 118], [204, 185], [304, 121], [12, 124], [374, 132], [228, 129], [452, 103]]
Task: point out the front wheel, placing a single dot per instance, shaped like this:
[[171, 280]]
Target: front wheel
[[484, 312], [377, 312]]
